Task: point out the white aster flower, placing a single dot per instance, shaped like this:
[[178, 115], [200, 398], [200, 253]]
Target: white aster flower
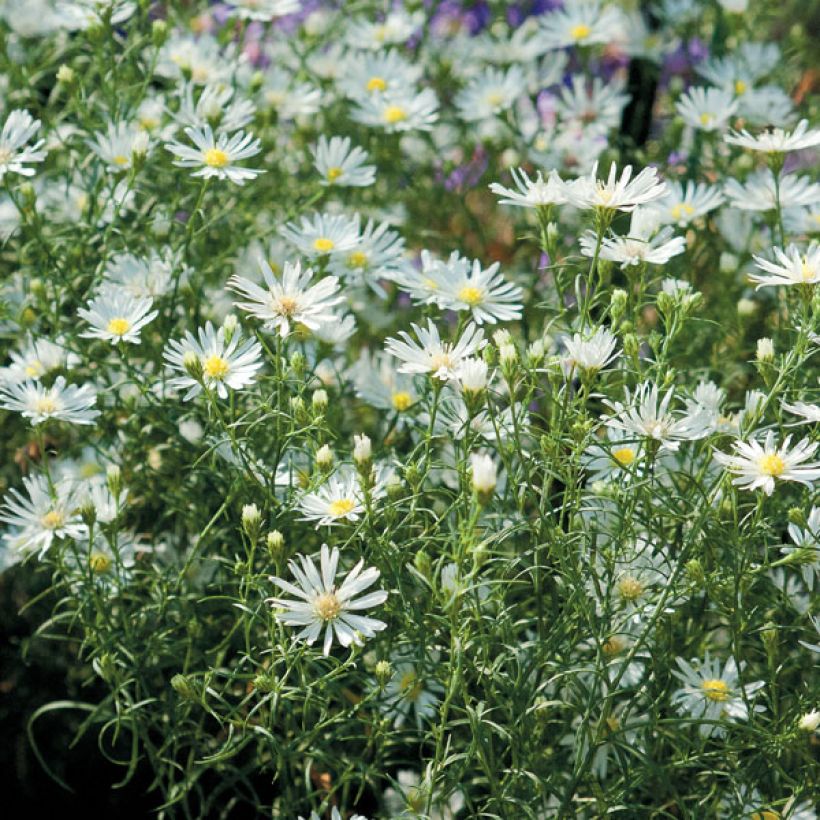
[[116, 316], [758, 465], [403, 110], [683, 204], [540, 193], [340, 498], [580, 23], [809, 412], [289, 299], [213, 104], [146, 277], [83, 14], [18, 129], [221, 364], [412, 688], [341, 164], [794, 268], [368, 74], [120, 144], [647, 414], [46, 512], [378, 253], [589, 353], [37, 358], [217, 156], [200, 58], [642, 245], [760, 192], [707, 109], [484, 475], [711, 694], [442, 360], [381, 385], [263, 10], [323, 234], [616, 193], [473, 377], [595, 105], [321, 604], [490, 93], [61, 402], [281, 93], [777, 140], [396, 27]]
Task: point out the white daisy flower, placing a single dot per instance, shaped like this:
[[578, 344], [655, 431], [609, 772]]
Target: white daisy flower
[[412, 688], [341, 164], [683, 204], [46, 512], [340, 498], [289, 299], [580, 23], [794, 268], [589, 353], [378, 383], [540, 193], [83, 14], [616, 193], [263, 10], [223, 364], [323, 234], [615, 459], [289, 99], [367, 74], [213, 104], [760, 193], [777, 140], [809, 412], [647, 414], [115, 316], [36, 359], [378, 253], [482, 291], [396, 27], [200, 58], [217, 156], [120, 145], [490, 93], [403, 110], [640, 247], [712, 694], [442, 360], [707, 109], [321, 604], [759, 465], [61, 402], [594, 104], [18, 129], [146, 277]]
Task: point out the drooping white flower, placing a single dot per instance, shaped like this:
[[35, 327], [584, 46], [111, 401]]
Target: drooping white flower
[[320, 604], [216, 156], [539, 193], [18, 129], [115, 316], [777, 140], [616, 193], [288, 300], [755, 464], [792, 267], [60, 402]]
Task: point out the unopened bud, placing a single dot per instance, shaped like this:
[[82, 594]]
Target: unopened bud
[[193, 365], [229, 326], [159, 32], [484, 477], [809, 722], [185, 687], [319, 400], [384, 671], [298, 363], [65, 74], [362, 451], [694, 569], [251, 519], [324, 458], [113, 478], [765, 350], [275, 543], [617, 304]]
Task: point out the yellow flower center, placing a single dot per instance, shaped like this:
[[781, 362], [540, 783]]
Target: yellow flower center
[[357, 259], [402, 400], [630, 589], [341, 507], [53, 520], [35, 368], [394, 114], [766, 814], [120, 160], [215, 367], [740, 87], [90, 469], [614, 646], [5, 155], [324, 245], [99, 563], [706, 119], [471, 295], [440, 360], [716, 690], [334, 173], [682, 209], [45, 405], [624, 456], [580, 32], [494, 98], [327, 606], [216, 158], [287, 305], [613, 724], [410, 686], [118, 326], [806, 271], [376, 84], [771, 464]]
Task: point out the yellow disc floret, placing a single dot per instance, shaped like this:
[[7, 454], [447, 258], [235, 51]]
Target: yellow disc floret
[[716, 690], [327, 606], [215, 367], [118, 326], [324, 245], [341, 507], [771, 464], [216, 158], [394, 114]]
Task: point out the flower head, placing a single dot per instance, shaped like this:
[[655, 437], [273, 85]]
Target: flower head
[[18, 129], [116, 316], [61, 402], [216, 156]]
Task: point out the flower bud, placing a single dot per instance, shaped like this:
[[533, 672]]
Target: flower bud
[[809, 722], [484, 477], [192, 365], [229, 326], [765, 350], [159, 33], [113, 478], [251, 519], [362, 451], [473, 376], [324, 458], [694, 569], [298, 363], [746, 307], [275, 543], [319, 400], [65, 74], [617, 304], [384, 671], [422, 563]]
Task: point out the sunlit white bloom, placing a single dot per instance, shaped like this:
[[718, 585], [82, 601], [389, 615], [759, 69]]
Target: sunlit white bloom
[[218, 363], [540, 193], [777, 140], [44, 513], [792, 267], [758, 465], [618, 458], [412, 688], [321, 604], [263, 10], [396, 27], [473, 377], [60, 402], [83, 14], [490, 93], [341, 165], [580, 23], [289, 299], [589, 353], [381, 385], [214, 104], [683, 204], [367, 74], [710, 694], [403, 110], [281, 93], [377, 254], [760, 193], [323, 234], [341, 498], [216, 156], [442, 360], [120, 145], [809, 412], [18, 129], [115, 316], [707, 109], [616, 193], [149, 276], [648, 414], [642, 246], [36, 359]]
